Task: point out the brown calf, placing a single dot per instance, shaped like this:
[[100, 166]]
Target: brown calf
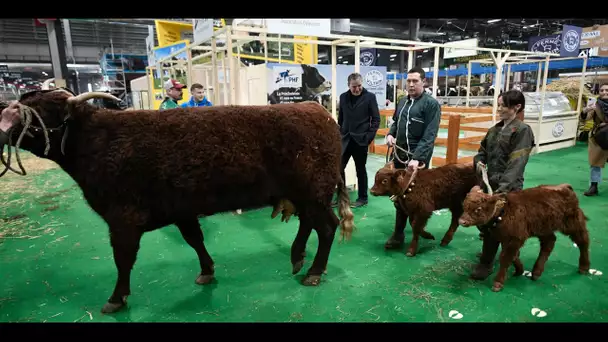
[[534, 212], [432, 189]]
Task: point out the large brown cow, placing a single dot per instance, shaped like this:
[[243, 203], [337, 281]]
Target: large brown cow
[[145, 169]]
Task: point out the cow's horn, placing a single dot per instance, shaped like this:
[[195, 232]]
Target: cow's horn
[[91, 95]]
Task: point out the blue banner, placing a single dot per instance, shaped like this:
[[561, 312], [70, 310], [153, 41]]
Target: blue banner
[[550, 44], [368, 57], [570, 41]]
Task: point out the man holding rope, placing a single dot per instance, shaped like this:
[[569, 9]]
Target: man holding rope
[[9, 117], [415, 124]]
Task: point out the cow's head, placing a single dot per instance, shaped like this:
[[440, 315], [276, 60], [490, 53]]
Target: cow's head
[[389, 181], [48, 113], [480, 208], [313, 80]]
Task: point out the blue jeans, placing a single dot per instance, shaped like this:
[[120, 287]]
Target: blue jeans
[[596, 174]]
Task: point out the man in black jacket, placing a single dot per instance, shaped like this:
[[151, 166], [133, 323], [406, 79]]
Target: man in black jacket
[[359, 119], [9, 117]]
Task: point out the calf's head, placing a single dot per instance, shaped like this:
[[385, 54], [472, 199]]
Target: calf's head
[[48, 113], [480, 208], [390, 181]]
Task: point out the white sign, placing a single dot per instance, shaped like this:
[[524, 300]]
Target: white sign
[[150, 45], [300, 27], [455, 53], [203, 30]]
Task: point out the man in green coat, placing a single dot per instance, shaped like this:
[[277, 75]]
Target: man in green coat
[[413, 132], [174, 94], [415, 124], [9, 117]]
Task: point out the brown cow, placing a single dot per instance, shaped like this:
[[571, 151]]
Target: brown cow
[[432, 189], [533, 212], [143, 170]]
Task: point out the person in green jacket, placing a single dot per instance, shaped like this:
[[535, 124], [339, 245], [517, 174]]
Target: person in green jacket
[[412, 133], [9, 117], [174, 94], [504, 152], [415, 124]]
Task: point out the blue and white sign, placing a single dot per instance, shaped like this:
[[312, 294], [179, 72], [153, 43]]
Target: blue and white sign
[[570, 41]]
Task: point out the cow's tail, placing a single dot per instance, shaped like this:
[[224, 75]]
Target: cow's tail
[[347, 219]]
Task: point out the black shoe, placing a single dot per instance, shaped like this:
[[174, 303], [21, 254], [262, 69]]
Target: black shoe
[[358, 203], [592, 190]]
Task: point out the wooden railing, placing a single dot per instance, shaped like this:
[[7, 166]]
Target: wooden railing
[[455, 120]]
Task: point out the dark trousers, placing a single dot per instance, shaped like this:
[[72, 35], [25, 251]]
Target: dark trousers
[[359, 154]]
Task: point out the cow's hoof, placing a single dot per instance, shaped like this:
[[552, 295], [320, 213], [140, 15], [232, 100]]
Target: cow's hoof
[[204, 279], [109, 308], [393, 243], [535, 276], [583, 270], [444, 243], [410, 254], [497, 287], [311, 280], [297, 267]]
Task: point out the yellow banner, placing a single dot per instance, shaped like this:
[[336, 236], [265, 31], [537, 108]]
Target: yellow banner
[[170, 32], [306, 53]]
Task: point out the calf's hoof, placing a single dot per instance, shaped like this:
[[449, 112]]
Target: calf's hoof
[[110, 307], [394, 243], [297, 267], [311, 280], [204, 279], [497, 287], [410, 253], [583, 270], [445, 242]]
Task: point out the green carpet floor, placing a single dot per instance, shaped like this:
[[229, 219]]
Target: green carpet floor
[[56, 264]]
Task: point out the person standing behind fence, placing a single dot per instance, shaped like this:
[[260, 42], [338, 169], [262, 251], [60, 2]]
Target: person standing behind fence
[[198, 98], [359, 120], [174, 94]]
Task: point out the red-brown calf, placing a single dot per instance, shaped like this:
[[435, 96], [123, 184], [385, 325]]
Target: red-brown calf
[[534, 212], [432, 189]]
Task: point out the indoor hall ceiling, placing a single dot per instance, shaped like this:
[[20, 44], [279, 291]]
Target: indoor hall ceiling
[[491, 31]]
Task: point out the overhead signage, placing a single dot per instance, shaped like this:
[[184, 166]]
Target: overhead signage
[[203, 30], [449, 52], [300, 27]]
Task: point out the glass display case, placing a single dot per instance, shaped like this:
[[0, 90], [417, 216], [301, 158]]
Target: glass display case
[[556, 105]]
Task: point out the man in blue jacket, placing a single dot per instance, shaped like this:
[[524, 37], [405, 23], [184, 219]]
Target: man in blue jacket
[[198, 98]]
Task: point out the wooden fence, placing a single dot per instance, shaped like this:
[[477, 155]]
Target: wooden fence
[[474, 122]]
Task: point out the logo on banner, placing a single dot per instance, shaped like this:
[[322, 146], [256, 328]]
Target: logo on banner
[[367, 58], [571, 40], [287, 78], [373, 78]]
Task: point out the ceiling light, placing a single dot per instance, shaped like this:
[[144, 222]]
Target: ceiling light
[[393, 55], [493, 21]]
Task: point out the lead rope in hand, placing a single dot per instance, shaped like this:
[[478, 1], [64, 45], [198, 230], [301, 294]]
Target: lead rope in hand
[[26, 114], [484, 176]]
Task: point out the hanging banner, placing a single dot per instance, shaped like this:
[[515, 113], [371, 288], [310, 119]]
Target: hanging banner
[[288, 83], [550, 44], [171, 32], [595, 36], [304, 27], [202, 30], [570, 41], [367, 57]]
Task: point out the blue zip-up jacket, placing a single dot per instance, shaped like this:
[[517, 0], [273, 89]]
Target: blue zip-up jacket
[[192, 103]]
